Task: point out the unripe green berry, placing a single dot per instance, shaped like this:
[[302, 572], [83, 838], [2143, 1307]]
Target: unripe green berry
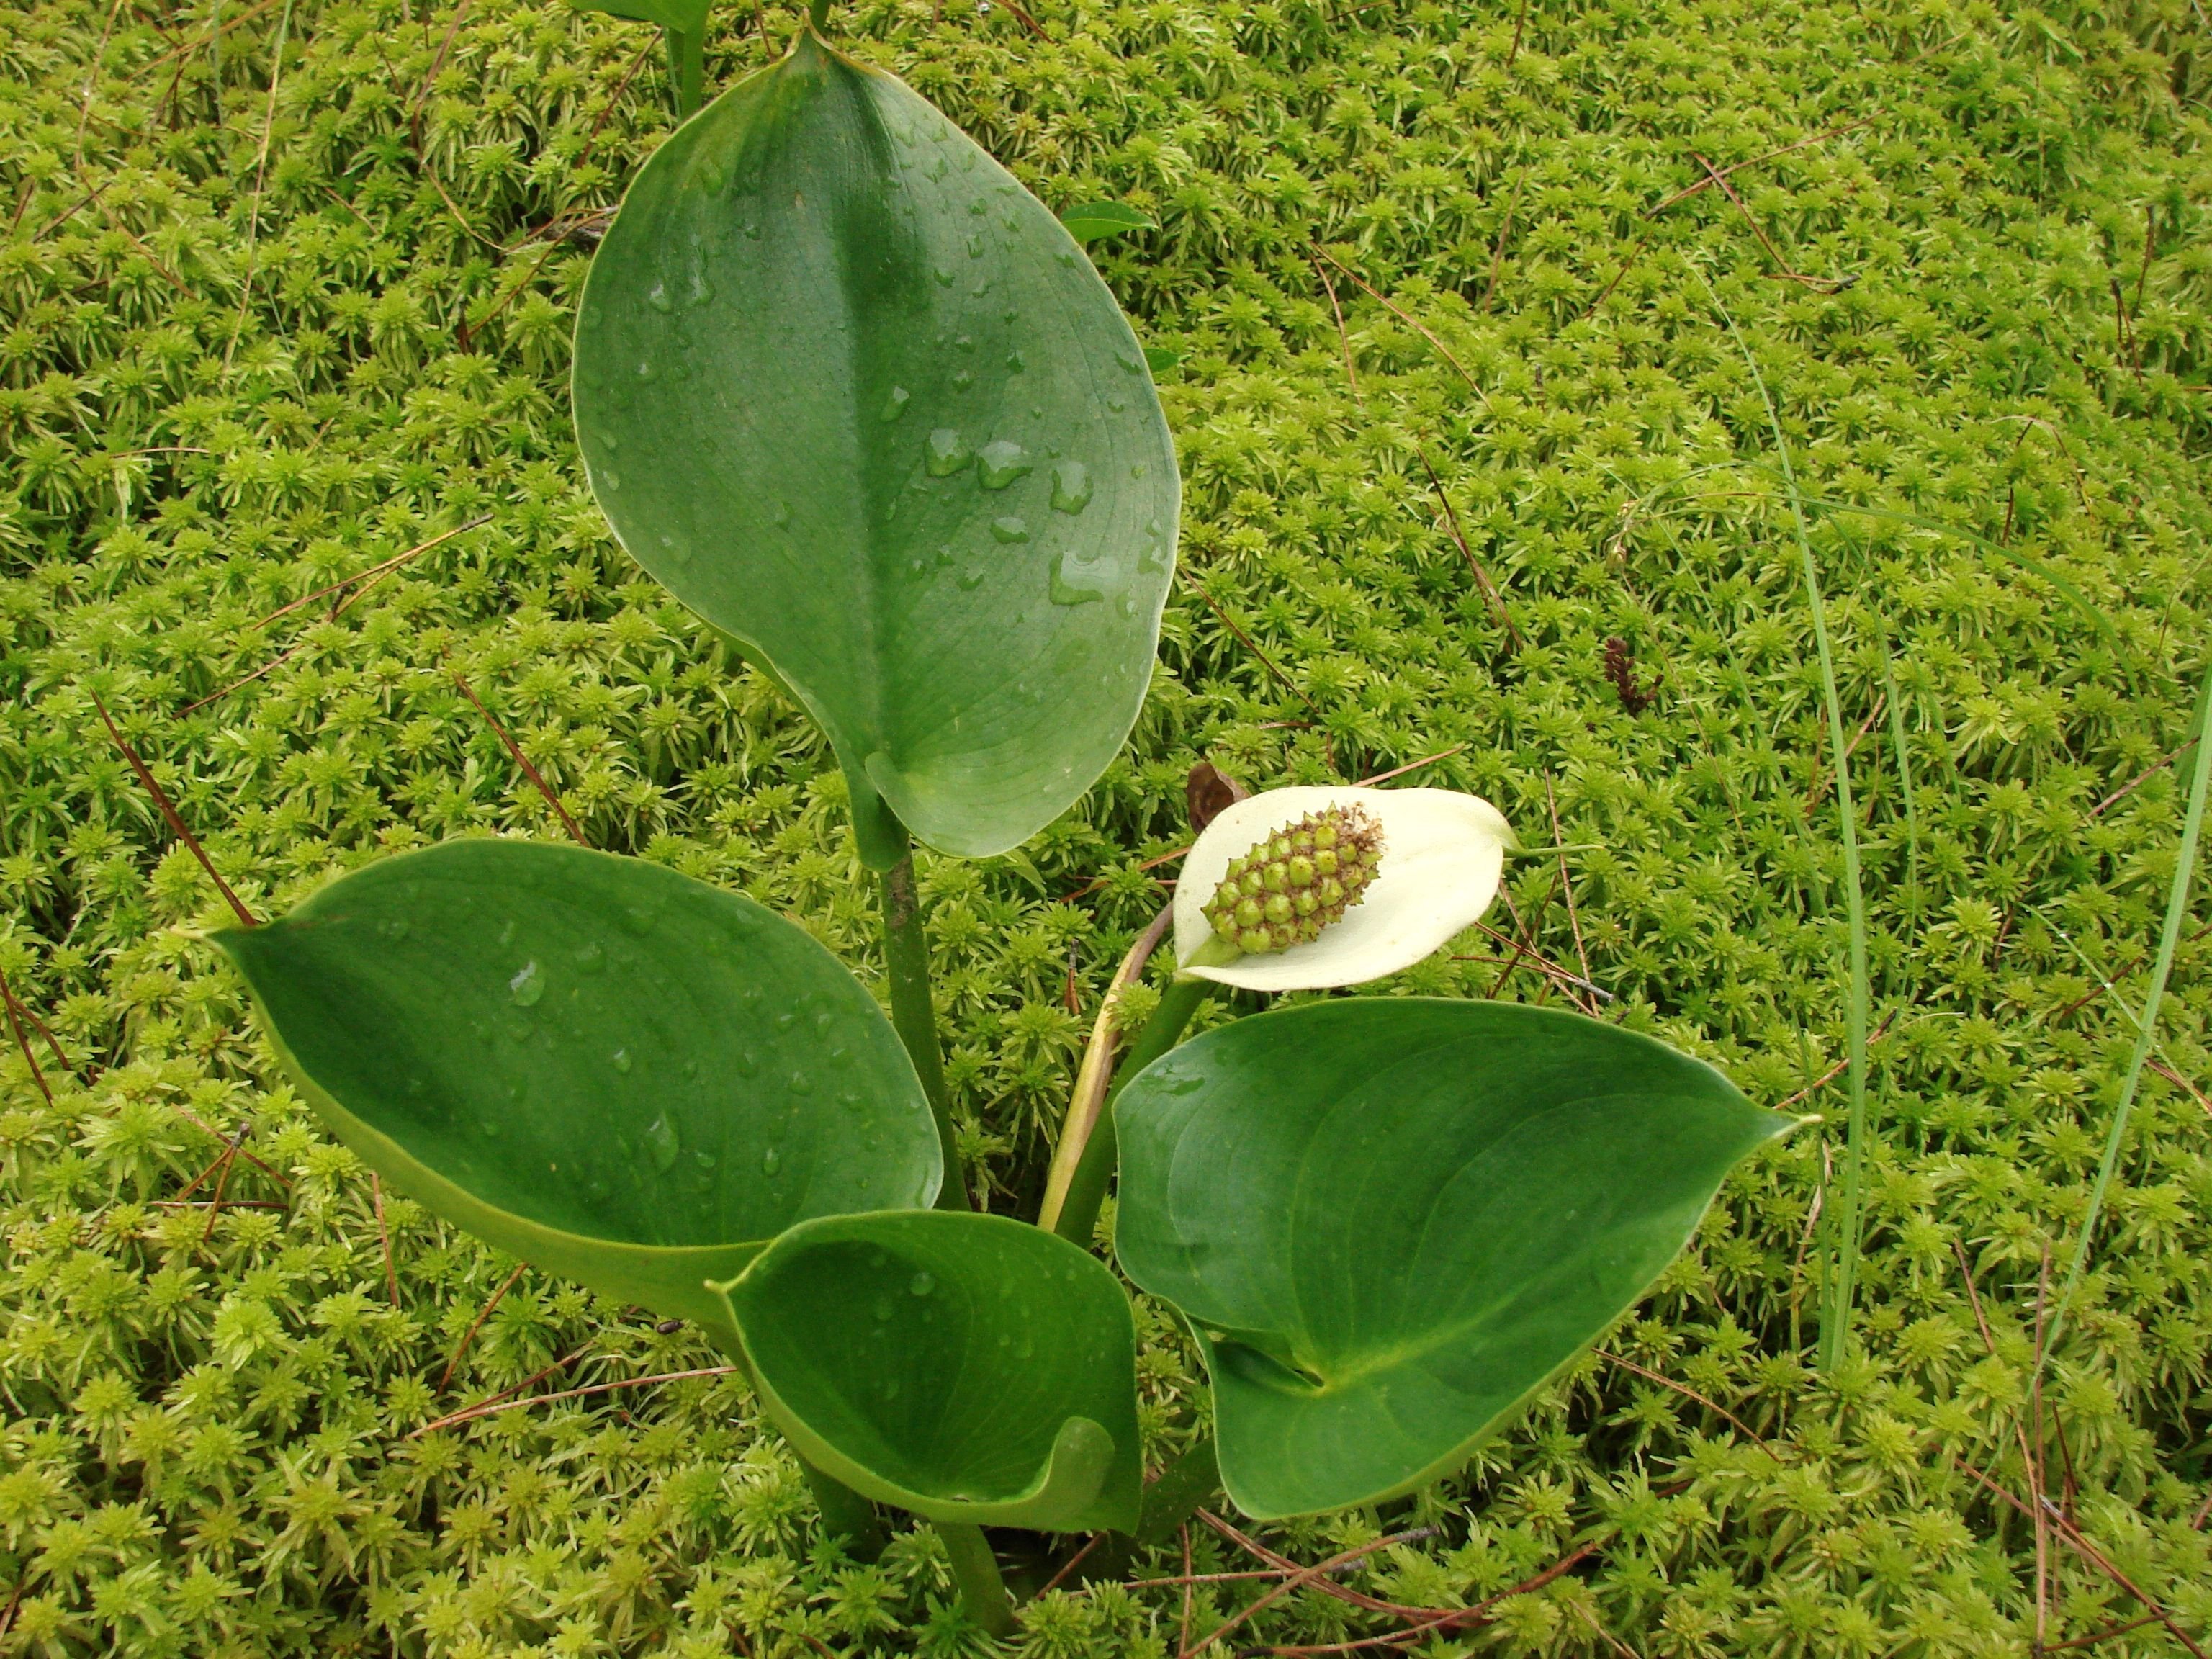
[[1289, 887]]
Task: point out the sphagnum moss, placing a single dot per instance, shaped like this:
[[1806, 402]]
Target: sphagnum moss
[[233, 374]]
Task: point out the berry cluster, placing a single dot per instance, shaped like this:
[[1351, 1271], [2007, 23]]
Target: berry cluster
[[1297, 881]]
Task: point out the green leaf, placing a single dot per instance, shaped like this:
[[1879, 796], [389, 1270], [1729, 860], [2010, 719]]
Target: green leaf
[[966, 1367], [1093, 220], [1390, 1220], [622, 1074], [683, 16], [858, 398]]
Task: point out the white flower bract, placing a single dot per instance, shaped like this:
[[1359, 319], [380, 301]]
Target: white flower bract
[[1442, 855]]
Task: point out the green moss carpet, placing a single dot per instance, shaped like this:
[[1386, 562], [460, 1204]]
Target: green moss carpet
[[1477, 480]]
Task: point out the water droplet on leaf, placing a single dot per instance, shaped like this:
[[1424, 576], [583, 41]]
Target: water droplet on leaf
[[894, 404], [662, 1143], [657, 297], [1070, 487], [1065, 591], [946, 453], [622, 1060], [1001, 462], [921, 1285], [771, 1161], [528, 985], [1010, 528]]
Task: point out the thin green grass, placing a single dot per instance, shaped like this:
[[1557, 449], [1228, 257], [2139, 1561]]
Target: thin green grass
[[2169, 940], [1835, 1303]]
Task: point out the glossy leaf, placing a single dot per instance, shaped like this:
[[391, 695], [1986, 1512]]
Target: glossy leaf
[[622, 1074], [683, 16], [858, 398], [966, 1367], [1390, 1220], [1093, 220]]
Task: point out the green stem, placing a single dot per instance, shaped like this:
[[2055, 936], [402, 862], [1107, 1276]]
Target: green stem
[[1078, 1215], [975, 1571], [913, 1016], [817, 15], [686, 69], [845, 1513]]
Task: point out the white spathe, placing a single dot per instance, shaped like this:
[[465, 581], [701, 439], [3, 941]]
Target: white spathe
[[1442, 853]]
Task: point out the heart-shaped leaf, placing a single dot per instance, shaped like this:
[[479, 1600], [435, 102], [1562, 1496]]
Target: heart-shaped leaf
[[1093, 220], [622, 1074], [966, 1367], [1390, 1220], [859, 399]]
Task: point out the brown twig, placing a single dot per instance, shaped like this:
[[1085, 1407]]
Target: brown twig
[[469, 1336], [192, 46], [1074, 1562], [378, 569], [1410, 766], [1838, 1069], [1785, 271], [2103, 1635], [1757, 161], [529, 1382], [1265, 661], [1343, 334], [1420, 328], [2139, 780], [1504, 230], [246, 917], [2074, 1540], [22, 1042], [1298, 1580], [1688, 1393], [1821, 781], [439, 62], [1559, 840], [490, 1409], [1481, 576], [226, 1164], [1546, 965], [1034, 27], [523, 760]]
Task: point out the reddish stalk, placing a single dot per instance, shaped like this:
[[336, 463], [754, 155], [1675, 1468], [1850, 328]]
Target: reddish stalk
[[482, 1314], [523, 760], [246, 917]]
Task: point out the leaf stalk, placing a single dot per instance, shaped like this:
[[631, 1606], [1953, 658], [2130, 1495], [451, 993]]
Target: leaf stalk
[[1076, 1215], [913, 1016], [975, 1571]]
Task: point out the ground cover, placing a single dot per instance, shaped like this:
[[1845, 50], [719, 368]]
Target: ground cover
[[1476, 478]]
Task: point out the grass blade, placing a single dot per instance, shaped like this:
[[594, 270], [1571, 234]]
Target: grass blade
[[1836, 1305], [2169, 940]]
